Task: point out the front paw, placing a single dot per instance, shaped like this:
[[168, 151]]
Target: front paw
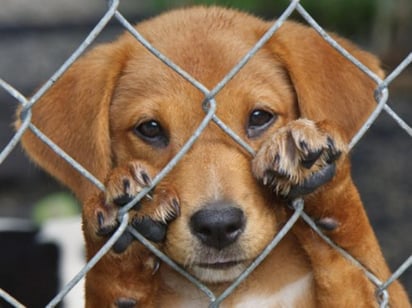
[[149, 216], [298, 158]]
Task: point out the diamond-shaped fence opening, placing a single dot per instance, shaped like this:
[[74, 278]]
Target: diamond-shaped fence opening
[[209, 106]]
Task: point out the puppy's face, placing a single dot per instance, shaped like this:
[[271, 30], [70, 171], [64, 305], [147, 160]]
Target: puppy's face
[[120, 103], [226, 218]]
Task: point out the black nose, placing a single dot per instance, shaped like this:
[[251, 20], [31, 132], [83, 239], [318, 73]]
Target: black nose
[[218, 226]]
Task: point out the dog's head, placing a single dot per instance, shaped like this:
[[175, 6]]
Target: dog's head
[[120, 103]]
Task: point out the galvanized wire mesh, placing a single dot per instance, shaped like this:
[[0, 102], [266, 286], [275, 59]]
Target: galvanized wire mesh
[[209, 105]]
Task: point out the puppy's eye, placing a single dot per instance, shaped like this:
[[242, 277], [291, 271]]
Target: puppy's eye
[[259, 121], [152, 132]]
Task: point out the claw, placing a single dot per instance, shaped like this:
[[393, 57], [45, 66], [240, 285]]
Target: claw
[[332, 153], [126, 186], [176, 208], [140, 174], [156, 266], [332, 157], [304, 146], [103, 230], [100, 219], [271, 175], [146, 179], [276, 160], [268, 178], [311, 158]]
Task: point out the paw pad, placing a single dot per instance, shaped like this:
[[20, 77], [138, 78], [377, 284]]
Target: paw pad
[[124, 302]]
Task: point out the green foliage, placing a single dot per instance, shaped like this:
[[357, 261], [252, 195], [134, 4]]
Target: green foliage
[[57, 205], [345, 16], [348, 17]]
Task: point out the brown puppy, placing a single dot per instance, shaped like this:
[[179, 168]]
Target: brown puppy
[[123, 115]]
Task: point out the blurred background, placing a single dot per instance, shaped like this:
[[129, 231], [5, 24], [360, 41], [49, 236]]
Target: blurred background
[[38, 216]]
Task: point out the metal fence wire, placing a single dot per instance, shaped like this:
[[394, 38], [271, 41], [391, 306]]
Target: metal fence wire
[[209, 106]]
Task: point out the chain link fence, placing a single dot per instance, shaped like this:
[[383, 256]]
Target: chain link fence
[[209, 106]]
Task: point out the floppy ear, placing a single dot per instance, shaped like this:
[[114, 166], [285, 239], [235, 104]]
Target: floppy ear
[[327, 85], [74, 114]]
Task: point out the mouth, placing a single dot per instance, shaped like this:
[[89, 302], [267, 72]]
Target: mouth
[[219, 265], [218, 271]]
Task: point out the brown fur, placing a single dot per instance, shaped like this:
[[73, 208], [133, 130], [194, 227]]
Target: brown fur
[[92, 110]]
